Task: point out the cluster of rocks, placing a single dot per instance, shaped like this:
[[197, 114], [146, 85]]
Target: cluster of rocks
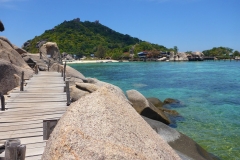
[[181, 56], [178, 57], [102, 122], [66, 56]]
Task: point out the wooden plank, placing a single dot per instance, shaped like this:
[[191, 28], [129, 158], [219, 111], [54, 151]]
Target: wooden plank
[[10, 120], [36, 100], [13, 106], [37, 157], [20, 123], [27, 133], [21, 127], [26, 105], [32, 110], [36, 145], [25, 115]]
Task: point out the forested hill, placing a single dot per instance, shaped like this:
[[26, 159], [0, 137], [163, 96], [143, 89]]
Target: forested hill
[[84, 38]]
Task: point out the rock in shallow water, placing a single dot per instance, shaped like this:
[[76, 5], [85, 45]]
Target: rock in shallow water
[[184, 146], [145, 108]]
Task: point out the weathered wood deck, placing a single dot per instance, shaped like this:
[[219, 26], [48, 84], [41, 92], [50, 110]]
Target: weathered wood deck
[[43, 98]]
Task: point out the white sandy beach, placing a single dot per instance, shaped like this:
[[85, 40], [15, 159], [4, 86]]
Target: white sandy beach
[[93, 61]]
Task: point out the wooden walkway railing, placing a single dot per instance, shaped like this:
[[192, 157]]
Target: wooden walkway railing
[[42, 99]]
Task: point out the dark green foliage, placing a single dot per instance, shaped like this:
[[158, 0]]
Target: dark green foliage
[[236, 53], [220, 52], [85, 38]]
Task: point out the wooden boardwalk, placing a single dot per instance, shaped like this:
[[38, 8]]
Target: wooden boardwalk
[[43, 98]]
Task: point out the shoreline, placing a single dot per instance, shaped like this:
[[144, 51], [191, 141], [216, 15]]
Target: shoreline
[[91, 61]]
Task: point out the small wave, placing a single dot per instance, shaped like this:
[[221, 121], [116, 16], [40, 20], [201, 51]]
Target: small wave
[[139, 85]]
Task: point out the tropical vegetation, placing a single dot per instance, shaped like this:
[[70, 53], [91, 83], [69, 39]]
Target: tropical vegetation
[[221, 52], [86, 38], [93, 38]]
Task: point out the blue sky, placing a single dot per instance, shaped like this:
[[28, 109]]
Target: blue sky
[[192, 25]]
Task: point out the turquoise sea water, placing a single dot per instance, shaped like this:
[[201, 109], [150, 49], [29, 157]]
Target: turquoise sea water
[[209, 94]]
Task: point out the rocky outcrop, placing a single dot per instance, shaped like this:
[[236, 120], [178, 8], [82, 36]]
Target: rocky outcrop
[[26, 44], [76, 93], [50, 50], [87, 87], [182, 144], [11, 66], [71, 73], [156, 102], [8, 78], [19, 50], [170, 100], [67, 56], [103, 125], [197, 54], [173, 115], [40, 43], [1, 26], [145, 108], [178, 57]]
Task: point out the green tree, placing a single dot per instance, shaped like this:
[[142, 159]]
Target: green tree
[[100, 52], [236, 53], [175, 48]]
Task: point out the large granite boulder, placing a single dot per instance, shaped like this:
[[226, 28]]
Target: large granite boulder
[[178, 57], [76, 93], [71, 73], [8, 53], [50, 50], [156, 102], [145, 108], [87, 87], [67, 56], [182, 57], [96, 82], [42, 63], [172, 115], [10, 75], [103, 125], [182, 144], [172, 56], [1, 26], [11, 66], [19, 50], [197, 54]]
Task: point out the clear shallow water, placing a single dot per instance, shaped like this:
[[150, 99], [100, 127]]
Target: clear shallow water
[[209, 92]]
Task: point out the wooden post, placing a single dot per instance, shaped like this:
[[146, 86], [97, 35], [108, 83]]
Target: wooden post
[[14, 150], [48, 126], [64, 71], [36, 69], [2, 102], [58, 68], [22, 82], [49, 64], [68, 93]]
